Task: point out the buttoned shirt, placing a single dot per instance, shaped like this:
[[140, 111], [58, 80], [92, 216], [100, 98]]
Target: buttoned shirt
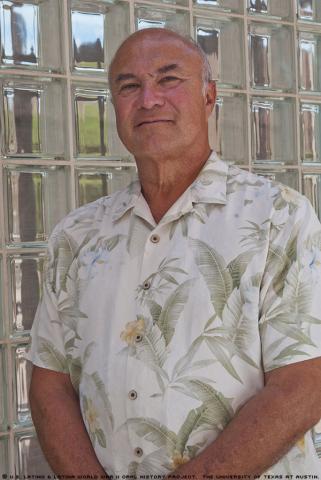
[[167, 329]]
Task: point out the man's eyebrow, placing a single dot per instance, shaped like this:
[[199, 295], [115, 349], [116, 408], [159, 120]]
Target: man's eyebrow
[[130, 76], [124, 76], [168, 68]]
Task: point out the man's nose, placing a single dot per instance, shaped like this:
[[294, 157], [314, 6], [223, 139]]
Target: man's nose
[[150, 96]]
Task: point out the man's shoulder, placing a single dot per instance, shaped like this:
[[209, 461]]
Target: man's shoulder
[[262, 188], [90, 216]]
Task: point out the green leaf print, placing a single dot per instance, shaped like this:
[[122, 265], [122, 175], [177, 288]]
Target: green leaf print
[[238, 266], [152, 348], [284, 324], [221, 356], [297, 290], [215, 273], [172, 310], [101, 437], [75, 371], [193, 421], [101, 393], [154, 432], [155, 309], [49, 354]]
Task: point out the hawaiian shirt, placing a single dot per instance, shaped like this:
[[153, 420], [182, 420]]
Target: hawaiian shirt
[[166, 329]]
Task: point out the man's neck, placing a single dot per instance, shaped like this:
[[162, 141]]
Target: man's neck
[[164, 180]]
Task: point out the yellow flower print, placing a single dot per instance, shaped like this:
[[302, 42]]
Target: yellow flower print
[[290, 196], [132, 331], [91, 416], [178, 460], [301, 444]]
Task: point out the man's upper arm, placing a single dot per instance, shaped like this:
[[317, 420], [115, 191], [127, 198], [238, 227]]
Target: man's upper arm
[[290, 313]]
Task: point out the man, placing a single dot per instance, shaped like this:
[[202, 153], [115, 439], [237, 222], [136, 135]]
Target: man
[[179, 330]]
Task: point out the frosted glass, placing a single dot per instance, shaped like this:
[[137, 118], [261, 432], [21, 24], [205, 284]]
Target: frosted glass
[[27, 39], [312, 190], [22, 379], [34, 118], [271, 8], [32, 203], [269, 45], [98, 182], [309, 10], [150, 17], [3, 392], [222, 5], [4, 469], [310, 62], [29, 459], [273, 130], [26, 276], [310, 125], [222, 41], [228, 128]]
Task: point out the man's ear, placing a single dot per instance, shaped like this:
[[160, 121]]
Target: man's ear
[[210, 96]]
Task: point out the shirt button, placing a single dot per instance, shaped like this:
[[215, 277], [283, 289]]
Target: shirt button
[[132, 394], [146, 285], [154, 238], [138, 451], [138, 338]]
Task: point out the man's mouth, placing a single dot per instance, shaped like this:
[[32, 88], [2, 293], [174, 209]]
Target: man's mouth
[[148, 122]]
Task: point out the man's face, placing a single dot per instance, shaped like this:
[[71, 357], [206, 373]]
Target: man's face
[[157, 88]]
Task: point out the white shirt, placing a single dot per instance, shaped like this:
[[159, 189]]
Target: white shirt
[[167, 329]]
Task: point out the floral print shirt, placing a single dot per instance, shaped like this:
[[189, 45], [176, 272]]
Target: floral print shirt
[[166, 329]]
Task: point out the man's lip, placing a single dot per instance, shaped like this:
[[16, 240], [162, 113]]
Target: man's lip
[[160, 120]]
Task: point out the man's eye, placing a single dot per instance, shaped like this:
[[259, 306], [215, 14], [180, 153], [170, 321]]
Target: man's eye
[[169, 80], [129, 87]]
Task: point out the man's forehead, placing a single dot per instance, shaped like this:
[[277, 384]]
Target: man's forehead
[[155, 52]]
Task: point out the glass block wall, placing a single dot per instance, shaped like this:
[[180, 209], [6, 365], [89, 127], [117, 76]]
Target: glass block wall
[[59, 148]]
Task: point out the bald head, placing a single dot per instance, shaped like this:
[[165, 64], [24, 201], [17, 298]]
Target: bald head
[[161, 34]]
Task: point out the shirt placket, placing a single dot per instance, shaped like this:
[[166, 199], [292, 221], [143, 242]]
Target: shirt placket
[[139, 378]]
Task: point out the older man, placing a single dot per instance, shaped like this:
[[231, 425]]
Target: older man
[[180, 326]]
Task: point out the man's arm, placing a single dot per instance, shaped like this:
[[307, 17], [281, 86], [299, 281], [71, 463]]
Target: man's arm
[[61, 431], [267, 426]]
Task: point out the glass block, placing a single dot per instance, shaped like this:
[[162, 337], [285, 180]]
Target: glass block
[[28, 39], [221, 5], [26, 276], [271, 8], [2, 329], [29, 459], [3, 392], [269, 45], [95, 125], [273, 130], [222, 41], [311, 186], [228, 128], [4, 467], [93, 183], [310, 62], [33, 206], [290, 178], [22, 377], [97, 30], [183, 3], [310, 123], [34, 122], [150, 17], [309, 10]]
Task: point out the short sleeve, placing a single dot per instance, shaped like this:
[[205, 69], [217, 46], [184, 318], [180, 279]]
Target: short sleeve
[[290, 294], [46, 347]]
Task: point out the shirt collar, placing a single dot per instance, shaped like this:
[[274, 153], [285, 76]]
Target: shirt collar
[[208, 187]]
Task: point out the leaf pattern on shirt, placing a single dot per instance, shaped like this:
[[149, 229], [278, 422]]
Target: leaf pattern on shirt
[[239, 293], [215, 273], [213, 414]]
